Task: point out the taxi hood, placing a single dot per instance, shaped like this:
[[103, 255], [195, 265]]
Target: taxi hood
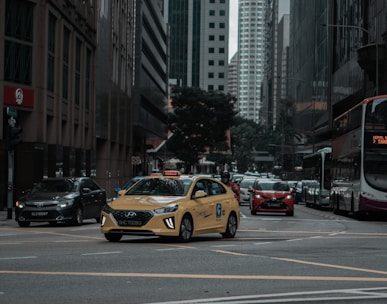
[[143, 202]]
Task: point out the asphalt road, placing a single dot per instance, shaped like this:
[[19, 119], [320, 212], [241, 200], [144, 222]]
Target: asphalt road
[[314, 256]]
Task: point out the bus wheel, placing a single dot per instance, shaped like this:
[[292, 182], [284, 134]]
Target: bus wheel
[[336, 204], [360, 215]]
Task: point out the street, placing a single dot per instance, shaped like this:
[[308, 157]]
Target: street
[[313, 256]]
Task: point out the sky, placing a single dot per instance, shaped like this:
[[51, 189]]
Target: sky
[[233, 29], [233, 22]]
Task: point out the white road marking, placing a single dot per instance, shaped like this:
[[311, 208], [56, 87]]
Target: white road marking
[[98, 253], [19, 258]]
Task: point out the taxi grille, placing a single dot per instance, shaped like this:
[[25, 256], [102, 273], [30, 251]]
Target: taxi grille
[[131, 217]]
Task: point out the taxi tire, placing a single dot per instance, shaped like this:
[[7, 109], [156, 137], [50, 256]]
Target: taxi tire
[[186, 229], [116, 237], [231, 227]]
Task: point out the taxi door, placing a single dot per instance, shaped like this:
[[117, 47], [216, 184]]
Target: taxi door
[[204, 207], [207, 210]]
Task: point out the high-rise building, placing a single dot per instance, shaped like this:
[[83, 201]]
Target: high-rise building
[[232, 86], [131, 90], [199, 43], [251, 48], [47, 83], [87, 81], [308, 69]]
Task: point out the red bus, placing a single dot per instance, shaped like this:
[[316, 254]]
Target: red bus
[[359, 159]]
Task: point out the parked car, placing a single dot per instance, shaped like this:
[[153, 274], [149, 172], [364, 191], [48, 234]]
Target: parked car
[[246, 183], [56, 200], [271, 196], [301, 188], [172, 205]]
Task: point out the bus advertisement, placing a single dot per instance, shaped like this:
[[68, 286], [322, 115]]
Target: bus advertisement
[[317, 168], [359, 159]]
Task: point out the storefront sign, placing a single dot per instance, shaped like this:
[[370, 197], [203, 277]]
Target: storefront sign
[[18, 96]]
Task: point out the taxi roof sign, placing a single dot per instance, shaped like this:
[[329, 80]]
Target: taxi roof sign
[[171, 173]]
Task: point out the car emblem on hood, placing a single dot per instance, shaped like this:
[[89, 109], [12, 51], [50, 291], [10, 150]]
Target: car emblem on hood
[[130, 214]]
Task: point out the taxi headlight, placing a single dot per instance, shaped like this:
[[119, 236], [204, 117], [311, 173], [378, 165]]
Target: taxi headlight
[[167, 209], [106, 208], [258, 196], [289, 196], [66, 204]]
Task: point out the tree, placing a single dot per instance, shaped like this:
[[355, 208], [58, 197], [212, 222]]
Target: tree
[[246, 136], [199, 121]]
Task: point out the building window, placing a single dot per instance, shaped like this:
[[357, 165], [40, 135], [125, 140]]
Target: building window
[[221, 50], [221, 62], [210, 75], [212, 13], [222, 13], [210, 87], [18, 41], [211, 50], [51, 53], [88, 79], [222, 25], [221, 37], [221, 87], [77, 90], [210, 62], [221, 75], [212, 25], [211, 38], [65, 64]]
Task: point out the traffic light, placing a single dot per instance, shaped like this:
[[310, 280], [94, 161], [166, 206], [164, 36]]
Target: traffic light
[[13, 139]]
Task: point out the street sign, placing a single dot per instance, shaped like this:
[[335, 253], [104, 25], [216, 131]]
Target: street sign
[[11, 112]]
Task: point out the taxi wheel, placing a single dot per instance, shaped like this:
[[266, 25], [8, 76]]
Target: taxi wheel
[[186, 228], [231, 226], [113, 237]]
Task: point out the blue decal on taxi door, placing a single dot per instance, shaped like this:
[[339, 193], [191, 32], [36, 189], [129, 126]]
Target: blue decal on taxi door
[[218, 210]]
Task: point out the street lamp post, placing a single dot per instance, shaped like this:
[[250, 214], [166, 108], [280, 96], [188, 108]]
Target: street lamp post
[[376, 48]]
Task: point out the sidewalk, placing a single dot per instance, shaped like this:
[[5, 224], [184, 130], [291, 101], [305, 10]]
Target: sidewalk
[[4, 221]]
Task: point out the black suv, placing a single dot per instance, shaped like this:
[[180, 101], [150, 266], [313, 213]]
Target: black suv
[[56, 200]]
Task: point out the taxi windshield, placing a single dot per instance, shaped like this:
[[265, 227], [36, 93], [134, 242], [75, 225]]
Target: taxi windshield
[[161, 187]]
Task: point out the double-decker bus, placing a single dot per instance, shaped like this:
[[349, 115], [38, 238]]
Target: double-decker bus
[[359, 159], [316, 169]]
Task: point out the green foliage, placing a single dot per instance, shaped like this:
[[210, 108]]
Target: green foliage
[[246, 136], [199, 121]]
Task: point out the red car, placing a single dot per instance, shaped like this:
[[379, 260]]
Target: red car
[[271, 196]]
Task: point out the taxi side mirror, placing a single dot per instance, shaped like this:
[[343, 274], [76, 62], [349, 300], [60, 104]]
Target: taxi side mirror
[[251, 190], [121, 192], [199, 194]]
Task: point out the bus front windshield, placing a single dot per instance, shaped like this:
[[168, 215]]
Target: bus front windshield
[[375, 144]]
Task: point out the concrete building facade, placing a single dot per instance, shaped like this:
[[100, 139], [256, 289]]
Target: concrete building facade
[[251, 49], [87, 82], [199, 43]]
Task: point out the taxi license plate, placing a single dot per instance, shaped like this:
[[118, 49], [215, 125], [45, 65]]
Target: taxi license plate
[[39, 213], [130, 223]]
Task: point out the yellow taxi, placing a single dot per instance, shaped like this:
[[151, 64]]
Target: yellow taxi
[[172, 205]]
